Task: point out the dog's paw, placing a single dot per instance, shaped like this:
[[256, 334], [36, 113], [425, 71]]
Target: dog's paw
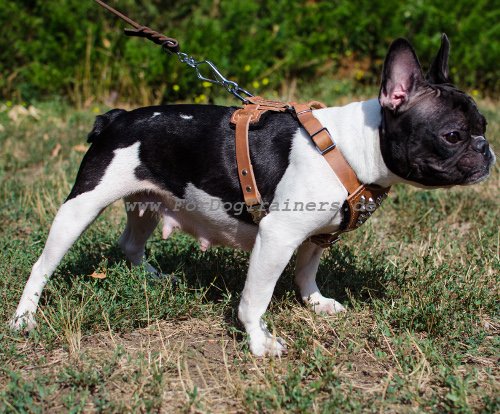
[[24, 323], [268, 345], [320, 304], [154, 273]]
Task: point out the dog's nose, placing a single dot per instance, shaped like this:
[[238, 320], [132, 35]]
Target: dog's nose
[[480, 145]]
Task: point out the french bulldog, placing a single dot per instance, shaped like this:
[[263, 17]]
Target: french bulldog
[[177, 164]]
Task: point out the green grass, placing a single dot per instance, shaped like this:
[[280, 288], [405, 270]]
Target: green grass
[[420, 280]]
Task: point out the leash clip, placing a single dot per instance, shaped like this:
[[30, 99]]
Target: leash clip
[[217, 77]]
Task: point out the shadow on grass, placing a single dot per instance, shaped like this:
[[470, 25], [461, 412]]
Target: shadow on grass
[[342, 271], [85, 259], [220, 274], [220, 271], [224, 270]]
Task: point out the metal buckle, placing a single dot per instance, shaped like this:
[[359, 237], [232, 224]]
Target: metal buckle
[[330, 147], [327, 149], [257, 212], [325, 240]]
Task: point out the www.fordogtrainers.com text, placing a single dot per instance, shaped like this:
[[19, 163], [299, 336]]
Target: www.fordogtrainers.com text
[[239, 207]]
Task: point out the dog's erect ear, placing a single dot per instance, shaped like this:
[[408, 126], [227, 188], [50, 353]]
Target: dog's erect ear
[[401, 76], [438, 72]]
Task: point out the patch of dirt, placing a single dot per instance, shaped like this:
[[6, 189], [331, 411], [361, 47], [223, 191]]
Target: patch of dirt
[[192, 354], [196, 353]]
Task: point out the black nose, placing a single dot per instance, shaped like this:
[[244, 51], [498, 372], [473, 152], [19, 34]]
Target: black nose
[[481, 145]]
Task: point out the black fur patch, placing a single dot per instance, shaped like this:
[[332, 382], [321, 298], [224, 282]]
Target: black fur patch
[[183, 144]]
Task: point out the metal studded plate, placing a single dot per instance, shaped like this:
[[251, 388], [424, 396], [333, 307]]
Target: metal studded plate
[[363, 203]]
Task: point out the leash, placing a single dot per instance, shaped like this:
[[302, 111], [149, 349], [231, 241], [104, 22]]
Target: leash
[[171, 46]]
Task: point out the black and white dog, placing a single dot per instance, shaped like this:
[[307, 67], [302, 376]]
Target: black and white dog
[[421, 130]]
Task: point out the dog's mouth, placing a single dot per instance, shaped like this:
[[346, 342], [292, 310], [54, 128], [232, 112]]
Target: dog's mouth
[[477, 177]]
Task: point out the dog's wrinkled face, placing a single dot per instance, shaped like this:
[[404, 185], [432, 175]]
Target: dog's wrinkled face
[[432, 133]]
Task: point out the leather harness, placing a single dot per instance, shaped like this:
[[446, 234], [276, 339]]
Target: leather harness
[[362, 200]]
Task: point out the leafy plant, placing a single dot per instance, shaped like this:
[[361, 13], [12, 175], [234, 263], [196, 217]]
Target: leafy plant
[[77, 50]]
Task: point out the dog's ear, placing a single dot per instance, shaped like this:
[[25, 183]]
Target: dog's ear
[[439, 72], [401, 76]]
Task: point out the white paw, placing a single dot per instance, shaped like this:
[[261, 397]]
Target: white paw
[[263, 343], [320, 304], [267, 345], [25, 322]]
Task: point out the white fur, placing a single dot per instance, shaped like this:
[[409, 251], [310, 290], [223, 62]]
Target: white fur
[[184, 116], [354, 128], [72, 219]]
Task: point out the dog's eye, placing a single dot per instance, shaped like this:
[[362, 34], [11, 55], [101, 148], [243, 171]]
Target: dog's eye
[[452, 137]]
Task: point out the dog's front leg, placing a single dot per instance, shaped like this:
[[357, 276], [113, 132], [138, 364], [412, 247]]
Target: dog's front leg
[[308, 258], [272, 250]]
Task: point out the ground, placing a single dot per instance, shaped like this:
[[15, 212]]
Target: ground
[[419, 280]]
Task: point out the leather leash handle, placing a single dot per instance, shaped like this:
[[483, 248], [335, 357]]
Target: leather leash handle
[[166, 42]]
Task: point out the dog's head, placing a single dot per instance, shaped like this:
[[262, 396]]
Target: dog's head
[[432, 133]]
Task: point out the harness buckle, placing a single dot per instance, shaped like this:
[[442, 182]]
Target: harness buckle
[[325, 240], [327, 149], [323, 152], [257, 212]]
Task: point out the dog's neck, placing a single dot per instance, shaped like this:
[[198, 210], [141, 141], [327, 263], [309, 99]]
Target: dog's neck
[[355, 130]]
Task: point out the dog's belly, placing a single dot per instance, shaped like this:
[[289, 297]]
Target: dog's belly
[[204, 217], [209, 232]]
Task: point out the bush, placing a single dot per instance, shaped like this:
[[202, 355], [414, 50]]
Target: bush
[[76, 49]]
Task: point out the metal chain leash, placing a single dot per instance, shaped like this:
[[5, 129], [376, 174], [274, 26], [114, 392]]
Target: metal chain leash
[[171, 46]]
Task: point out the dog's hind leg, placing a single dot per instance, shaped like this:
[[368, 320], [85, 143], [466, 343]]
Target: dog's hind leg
[[88, 198], [72, 219], [308, 258], [143, 214]]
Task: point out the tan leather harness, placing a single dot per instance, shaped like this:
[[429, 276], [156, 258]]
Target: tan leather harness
[[362, 200]]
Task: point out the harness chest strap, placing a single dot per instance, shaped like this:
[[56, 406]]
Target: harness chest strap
[[362, 199], [326, 145]]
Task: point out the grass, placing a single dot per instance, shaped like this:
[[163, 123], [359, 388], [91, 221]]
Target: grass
[[420, 280]]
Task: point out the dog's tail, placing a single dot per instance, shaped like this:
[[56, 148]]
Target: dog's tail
[[102, 122]]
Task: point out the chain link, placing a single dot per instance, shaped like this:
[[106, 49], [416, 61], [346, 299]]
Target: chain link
[[217, 77]]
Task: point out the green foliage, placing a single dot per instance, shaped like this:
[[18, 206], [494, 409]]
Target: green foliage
[[76, 49]]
